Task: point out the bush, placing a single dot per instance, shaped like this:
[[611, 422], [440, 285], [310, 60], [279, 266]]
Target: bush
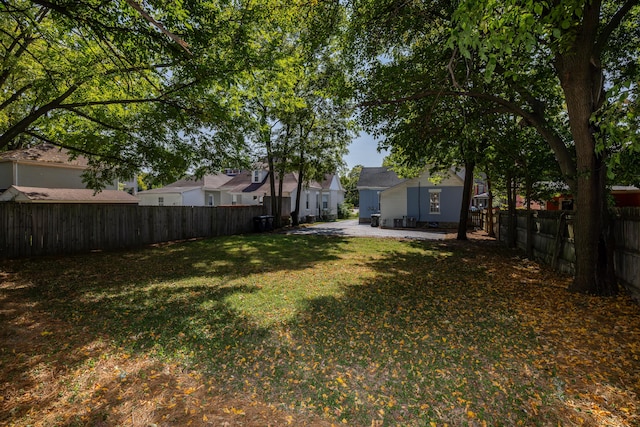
[[345, 210]]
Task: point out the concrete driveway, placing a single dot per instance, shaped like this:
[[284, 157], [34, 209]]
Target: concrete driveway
[[352, 228]]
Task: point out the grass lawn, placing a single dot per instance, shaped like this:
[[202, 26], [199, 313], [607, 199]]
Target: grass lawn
[[273, 330]]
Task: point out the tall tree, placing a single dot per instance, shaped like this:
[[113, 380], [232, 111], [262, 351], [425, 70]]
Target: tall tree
[[108, 80], [538, 57], [590, 47]]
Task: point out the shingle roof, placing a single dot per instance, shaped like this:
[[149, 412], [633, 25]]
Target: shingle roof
[[378, 177], [241, 183], [210, 182], [43, 153], [65, 195]]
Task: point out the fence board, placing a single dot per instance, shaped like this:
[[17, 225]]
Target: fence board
[[50, 229], [547, 240]]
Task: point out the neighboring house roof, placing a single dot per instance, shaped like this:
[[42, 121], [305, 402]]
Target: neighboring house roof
[[241, 183], [43, 153], [207, 182], [379, 177], [329, 179], [168, 190], [625, 188], [64, 195]]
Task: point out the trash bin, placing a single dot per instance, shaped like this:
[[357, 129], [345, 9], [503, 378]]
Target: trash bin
[[375, 220], [269, 222], [263, 223], [409, 221], [259, 223]]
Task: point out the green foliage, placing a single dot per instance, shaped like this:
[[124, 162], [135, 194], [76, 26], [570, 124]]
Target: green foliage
[[345, 210], [349, 184]]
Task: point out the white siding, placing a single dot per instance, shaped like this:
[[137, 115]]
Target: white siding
[[193, 197], [153, 199], [51, 177], [393, 204]]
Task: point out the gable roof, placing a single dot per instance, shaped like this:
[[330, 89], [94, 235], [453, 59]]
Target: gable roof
[[242, 183], [378, 177], [208, 182], [43, 153], [64, 195]]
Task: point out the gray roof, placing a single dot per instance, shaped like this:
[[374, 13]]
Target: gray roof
[[241, 183], [65, 195], [379, 177], [207, 182], [43, 153]]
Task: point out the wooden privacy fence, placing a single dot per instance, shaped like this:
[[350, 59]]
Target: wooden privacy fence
[[552, 241], [49, 229]]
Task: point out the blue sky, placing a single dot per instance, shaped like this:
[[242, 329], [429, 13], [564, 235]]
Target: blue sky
[[364, 151]]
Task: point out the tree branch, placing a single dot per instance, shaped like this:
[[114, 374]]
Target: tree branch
[[94, 120], [538, 122], [109, 102], [15, 96], [24, 124], [603, 36], [80, 150], [134, 4]]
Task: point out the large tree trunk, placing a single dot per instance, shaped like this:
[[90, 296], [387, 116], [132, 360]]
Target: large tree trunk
[[581, 78], [466, 200]]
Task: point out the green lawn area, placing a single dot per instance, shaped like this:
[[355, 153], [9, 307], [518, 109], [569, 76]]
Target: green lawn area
[[304, 330]]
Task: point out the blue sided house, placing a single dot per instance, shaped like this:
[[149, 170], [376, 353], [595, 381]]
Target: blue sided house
[[371, 183], [432, 200]]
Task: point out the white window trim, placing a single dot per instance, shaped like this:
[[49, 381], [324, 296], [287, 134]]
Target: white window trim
[[438, 192]]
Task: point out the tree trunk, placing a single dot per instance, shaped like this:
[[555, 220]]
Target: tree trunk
[[511, 209], [490, 231], [529, 232], [466, 200], [296, 213], [581, 79]]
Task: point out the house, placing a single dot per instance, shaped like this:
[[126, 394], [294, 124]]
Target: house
[[22, 194], [317, 199], [45, 174], [250, 188], [371, 183], [626, 196], [433, 199], [45, 166], [189, 192], [623, 196]]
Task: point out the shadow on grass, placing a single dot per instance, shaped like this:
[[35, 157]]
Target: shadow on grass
[[59, 314], [415, 332]]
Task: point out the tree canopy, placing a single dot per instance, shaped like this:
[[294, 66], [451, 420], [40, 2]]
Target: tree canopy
[[568, 69]]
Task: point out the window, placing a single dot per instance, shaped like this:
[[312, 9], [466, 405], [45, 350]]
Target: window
[[325, 201], [256, 176], [234, 199], [210, 199], [434, 202], [307, 200], [160, 201]]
